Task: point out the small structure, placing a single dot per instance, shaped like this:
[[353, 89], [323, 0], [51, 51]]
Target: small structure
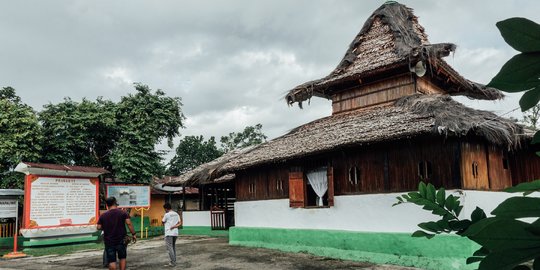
[[9, 209], [180, 198], [328, 186], [61, 203]]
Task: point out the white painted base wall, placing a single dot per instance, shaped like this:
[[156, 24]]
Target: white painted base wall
[[66, 231], [196, 218], [366, 213]]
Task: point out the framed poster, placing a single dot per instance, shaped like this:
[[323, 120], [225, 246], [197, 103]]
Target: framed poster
[[130, 196], [55, 201]]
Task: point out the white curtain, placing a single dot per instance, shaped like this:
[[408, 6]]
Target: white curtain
[[319, 182]]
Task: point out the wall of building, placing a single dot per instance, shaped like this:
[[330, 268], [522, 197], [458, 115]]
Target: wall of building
[[196, 218], [366, 213]]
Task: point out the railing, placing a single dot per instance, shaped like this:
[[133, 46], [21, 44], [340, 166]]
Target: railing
[[218, 219], [7, 229]]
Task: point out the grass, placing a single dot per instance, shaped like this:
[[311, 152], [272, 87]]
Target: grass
[[4, 251]]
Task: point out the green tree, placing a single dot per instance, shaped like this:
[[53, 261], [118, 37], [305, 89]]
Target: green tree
[[507, 241], [531, 117], [191, 152], [20, 137], [144, 119], [82, 133], [252, 135]]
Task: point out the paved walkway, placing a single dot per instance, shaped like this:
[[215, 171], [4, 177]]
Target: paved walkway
[[193, 253]]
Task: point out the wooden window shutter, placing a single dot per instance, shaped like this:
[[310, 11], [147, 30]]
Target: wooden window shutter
[[296, 189], [330, 186]]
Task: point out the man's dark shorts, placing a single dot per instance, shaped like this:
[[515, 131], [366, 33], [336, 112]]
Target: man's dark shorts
[[112, 251]]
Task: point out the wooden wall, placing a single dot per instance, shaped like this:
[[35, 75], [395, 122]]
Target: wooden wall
[[372, 94], [394, 167], [263, 183], [425, 86], [524, 166], [382, 168], [474, 174], [499, 173]]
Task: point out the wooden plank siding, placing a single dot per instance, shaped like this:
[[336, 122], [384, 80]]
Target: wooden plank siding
[[362, 170], [524, 166], [425, 86], [263, 183], [499, 173], [474, 166], [372, 94]]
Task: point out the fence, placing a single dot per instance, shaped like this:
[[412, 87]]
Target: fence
[[7, 229]]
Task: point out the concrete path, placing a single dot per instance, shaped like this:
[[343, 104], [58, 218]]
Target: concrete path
[[195, 253]]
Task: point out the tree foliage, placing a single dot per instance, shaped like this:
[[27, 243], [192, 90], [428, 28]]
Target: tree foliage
[[20, 137], [531, 117], [82, 133], [507, 241], [144, 119], [251, 135], [191, 152]]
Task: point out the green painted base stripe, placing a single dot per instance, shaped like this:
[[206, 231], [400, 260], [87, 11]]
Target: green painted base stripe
[[442, 252], [58, 241], [7, 242], [203, 230]]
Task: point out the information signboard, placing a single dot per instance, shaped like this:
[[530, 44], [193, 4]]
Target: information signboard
[[8, 208], [62, 201], [130, 196]]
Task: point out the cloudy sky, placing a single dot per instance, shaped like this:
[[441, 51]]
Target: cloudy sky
[[231, 62]]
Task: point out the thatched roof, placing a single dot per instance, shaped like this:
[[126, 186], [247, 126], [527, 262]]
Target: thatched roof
[[412, 116], [207, 173], [392, 38]]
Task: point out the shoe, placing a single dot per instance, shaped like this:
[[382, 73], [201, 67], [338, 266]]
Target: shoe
[[170, 265]]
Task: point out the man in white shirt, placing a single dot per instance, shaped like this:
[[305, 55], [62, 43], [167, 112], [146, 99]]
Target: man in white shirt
[[171, 222]]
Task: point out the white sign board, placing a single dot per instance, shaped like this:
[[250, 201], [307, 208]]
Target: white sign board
[[129, 196], [56, 201], [8, 208]]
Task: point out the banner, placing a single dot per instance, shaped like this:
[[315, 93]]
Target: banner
[[8, 208], [62, 201], [130, 196]]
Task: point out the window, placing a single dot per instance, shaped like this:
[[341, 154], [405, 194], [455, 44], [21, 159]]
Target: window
[[475, 169], [318, 185], [251, 188], [314, 188], [354, 176], [505, 163], [425, 170]]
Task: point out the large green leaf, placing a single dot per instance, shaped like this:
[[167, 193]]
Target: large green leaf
[[497, 234], [430, 192], [422, 234], [441, 197], [518, 207], [477, 215], [508, 259], [536, 138], [525, 187], [520, 33], [520, 73], [530, 99], [422, 189]]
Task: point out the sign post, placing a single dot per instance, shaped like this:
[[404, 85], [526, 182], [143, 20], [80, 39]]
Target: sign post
[[131, 196], [9, 208]]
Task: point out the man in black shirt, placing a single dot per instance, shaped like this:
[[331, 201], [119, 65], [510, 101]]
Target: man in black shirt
[[113, 223]]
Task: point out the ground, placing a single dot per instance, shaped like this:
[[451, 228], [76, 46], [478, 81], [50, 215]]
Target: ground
[[194, 252]]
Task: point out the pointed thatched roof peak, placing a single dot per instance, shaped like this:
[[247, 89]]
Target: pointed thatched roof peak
[[390, 39]]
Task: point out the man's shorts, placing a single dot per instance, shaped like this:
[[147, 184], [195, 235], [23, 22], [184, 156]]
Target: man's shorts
[[113, 251]]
